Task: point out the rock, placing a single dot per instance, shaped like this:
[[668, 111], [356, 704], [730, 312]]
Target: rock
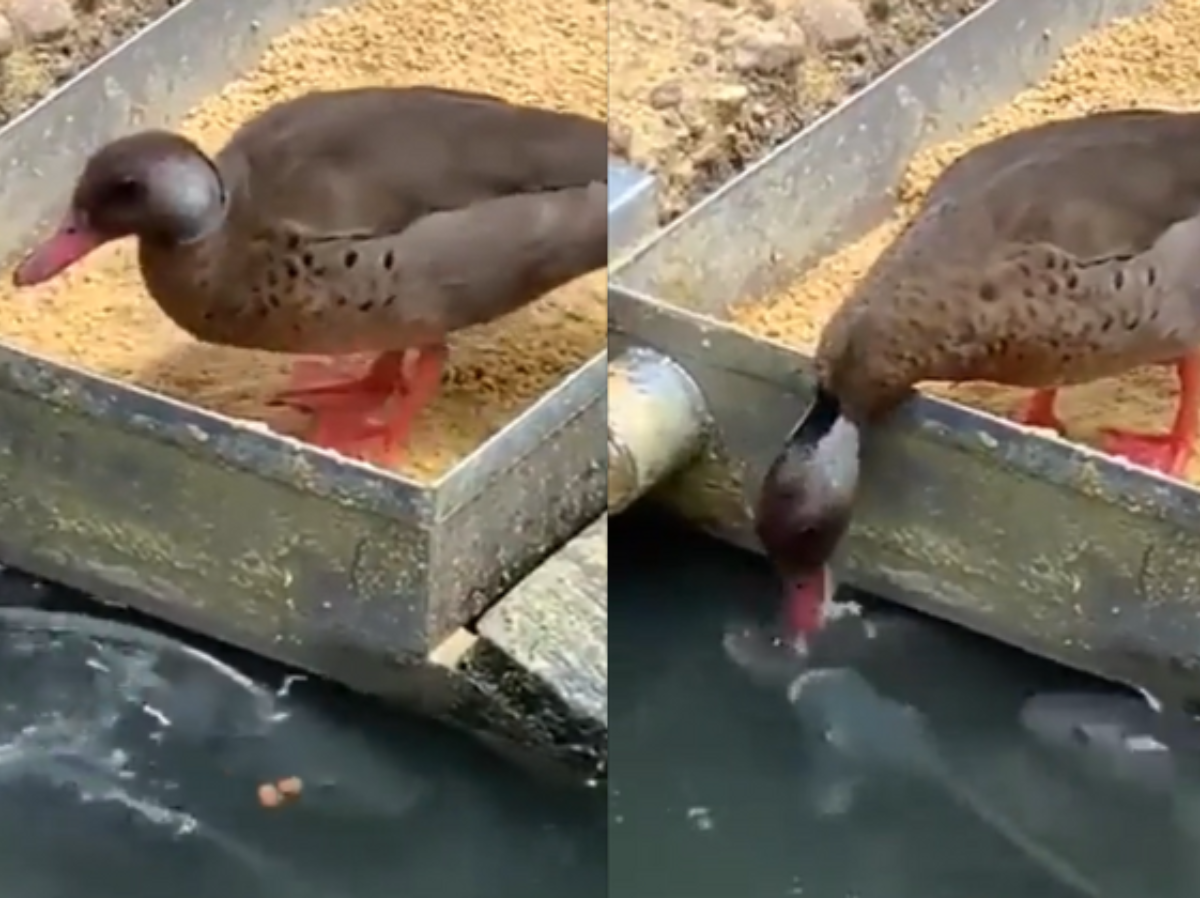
[[768, 53], [41, 20], [667, 95], [727, 100], [8, 37], [726, 37], [620, 140], [858, 81], [694, 121], [764, 9], [833, 24], [880, 10]]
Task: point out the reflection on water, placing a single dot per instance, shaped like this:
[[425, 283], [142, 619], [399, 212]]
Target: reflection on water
[[920, 762], [130, 766]]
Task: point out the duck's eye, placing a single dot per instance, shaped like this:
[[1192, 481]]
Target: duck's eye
[[125, 190]]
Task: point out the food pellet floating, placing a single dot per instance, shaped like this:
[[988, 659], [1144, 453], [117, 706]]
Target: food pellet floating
[[547, 53], [273, 795], [1147, 61], [269, 796]]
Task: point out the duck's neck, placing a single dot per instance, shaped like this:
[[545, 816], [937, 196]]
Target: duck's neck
[[189, 278], [827, 444]]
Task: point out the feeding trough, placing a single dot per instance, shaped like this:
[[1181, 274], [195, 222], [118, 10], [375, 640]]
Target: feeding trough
[[1039, 542]]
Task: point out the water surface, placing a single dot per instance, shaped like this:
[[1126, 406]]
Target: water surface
[[907, 772], [130, 767]]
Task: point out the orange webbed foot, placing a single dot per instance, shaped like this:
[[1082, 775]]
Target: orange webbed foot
[[353, 433], [1167, 453], [341, 384], [367, 417], [1170, 452]]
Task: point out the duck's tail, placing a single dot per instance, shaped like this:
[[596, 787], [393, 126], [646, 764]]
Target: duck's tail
[[553, 237], [490, 258]]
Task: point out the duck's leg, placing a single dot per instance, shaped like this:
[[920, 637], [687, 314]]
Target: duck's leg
[[1170, 452], [346, 413], [339, 383], [1039, 411], [369, 416], [422, 376]]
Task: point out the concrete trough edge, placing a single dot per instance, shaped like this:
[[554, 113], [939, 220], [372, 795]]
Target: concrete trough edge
[[541, 652], [541, 656]]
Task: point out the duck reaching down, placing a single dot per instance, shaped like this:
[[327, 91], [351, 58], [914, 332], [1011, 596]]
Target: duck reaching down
[[367, 221], [1058, 255]]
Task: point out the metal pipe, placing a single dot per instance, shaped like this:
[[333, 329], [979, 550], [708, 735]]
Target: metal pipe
[[658, 421]]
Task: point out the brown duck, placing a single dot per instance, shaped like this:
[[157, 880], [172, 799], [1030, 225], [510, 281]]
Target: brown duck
[[1056, 255], [376, 220]]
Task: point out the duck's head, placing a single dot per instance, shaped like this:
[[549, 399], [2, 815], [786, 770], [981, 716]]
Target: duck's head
[[155, 185], [804, 508]]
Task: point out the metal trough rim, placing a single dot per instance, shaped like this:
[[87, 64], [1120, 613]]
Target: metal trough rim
[[258, 450], [1081, 468], [292, 462]]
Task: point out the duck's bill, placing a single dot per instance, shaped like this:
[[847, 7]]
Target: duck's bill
[[807, 602], [776, 655], [67, 246]]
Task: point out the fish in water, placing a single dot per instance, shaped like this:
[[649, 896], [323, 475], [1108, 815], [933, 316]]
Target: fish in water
[[1114, 734], [771, 657], [861, 724]]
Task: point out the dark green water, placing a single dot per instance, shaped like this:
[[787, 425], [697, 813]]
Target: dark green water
[[722, 787], [129, 768]]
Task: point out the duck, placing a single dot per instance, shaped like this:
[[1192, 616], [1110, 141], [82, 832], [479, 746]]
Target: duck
[[372, 221], [1057, 255]]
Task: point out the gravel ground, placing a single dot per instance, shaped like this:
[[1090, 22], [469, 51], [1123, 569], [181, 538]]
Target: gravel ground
[[44, 43], [701, 88]]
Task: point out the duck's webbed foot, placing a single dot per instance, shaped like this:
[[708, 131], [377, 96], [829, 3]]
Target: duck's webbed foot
[[421, 380], [339, 382], [1169, 453], [368, 416]]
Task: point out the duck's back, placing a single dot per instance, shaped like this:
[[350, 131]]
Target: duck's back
[[376, 159], [1105, 185]]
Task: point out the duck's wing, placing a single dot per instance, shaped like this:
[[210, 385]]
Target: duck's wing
[[1034, 315], [1105, 183], [375, 160]]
